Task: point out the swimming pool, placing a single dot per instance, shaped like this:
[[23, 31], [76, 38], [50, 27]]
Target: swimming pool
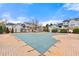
[[39, 41]]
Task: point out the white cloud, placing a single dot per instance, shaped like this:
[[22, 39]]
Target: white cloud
[[6, 15], [72, 6], [51, 21], [29, 3], [20, 19]]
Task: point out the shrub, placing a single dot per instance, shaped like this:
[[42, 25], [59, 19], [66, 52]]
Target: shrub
[[7, 30], [54, 30], [63, 31], [1, 29], [76, 30]]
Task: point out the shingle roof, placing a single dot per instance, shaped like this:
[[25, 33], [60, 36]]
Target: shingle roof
[[60, 24], [66, 20], [10, 24]]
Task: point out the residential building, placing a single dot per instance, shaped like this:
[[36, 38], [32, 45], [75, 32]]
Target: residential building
[[74, 23], [17, 28], [24, 27], [10, 26], [52, 26], [60, 25], [30, 27], [65, 24], [27, 27]]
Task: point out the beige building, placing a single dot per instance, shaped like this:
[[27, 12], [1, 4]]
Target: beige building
[[25, 27]]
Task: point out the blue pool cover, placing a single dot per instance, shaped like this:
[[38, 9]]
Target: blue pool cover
[[39, 41]]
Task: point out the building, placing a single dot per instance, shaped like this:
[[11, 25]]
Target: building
[[27, 27], [17, 28], [30, 27], [74, 23], [10, 26], [70, 24], [53, 26], [60, 25], [65, 24], [24, 27]]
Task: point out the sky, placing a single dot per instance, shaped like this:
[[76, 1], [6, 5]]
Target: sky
[[45, 13]]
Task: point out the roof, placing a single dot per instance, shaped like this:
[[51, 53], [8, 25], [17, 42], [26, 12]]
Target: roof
[[66, 20], [60, 24], [27, 23], [76, 19], [10, 24]]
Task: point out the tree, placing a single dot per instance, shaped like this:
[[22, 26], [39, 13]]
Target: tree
[[1, 29], [44, 28], [47, 28], [12, 31], [7, 30], [35, 24]]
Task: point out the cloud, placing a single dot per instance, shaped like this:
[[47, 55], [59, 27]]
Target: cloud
[[51, 21], [72, 6], [23, 19], [29, 3], [7, 16]]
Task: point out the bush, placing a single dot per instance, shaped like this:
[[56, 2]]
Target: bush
[[63, 31], [76, 30], [7, 30], [1, 30], [54, 30]]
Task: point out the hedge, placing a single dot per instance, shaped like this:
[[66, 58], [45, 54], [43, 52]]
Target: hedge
[[63, 31], [76, 30], [54, 30]]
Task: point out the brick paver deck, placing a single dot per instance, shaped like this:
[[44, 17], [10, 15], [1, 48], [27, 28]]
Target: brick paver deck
[[68, 45], [11, 46]]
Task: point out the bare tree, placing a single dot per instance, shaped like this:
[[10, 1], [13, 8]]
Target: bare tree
[[35, 24]]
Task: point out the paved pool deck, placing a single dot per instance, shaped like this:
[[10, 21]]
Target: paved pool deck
[[68, 45]]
